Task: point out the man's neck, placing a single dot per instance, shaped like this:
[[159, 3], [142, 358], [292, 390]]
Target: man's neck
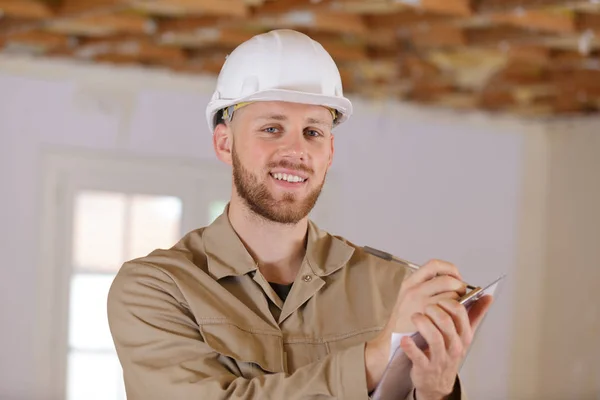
[[278, 248]]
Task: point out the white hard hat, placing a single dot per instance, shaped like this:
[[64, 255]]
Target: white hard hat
[[281, 65]]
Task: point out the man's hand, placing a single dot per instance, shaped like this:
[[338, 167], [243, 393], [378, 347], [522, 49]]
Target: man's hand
[[430, 284], [448, 330]]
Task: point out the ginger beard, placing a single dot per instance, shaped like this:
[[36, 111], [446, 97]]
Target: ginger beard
[[289, 210]]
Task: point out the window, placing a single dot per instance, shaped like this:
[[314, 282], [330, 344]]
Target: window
[[108, 229], [215, 209], [98, 212]]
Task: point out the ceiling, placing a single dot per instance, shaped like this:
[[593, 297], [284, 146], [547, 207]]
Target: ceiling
[[526, 57]]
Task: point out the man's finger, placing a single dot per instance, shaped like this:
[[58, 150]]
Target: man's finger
[[432, 269], [446, 325], [459, 315], [431, 334], [442, 284], [443, 296], [413, 352]]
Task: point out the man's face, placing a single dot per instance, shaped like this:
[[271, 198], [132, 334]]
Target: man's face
[[280, 156]]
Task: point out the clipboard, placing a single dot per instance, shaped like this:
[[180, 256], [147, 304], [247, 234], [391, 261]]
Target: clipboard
[[396, 383]]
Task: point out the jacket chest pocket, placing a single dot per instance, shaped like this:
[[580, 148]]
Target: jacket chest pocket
[[299, 354], [255, 353], [344, 341]]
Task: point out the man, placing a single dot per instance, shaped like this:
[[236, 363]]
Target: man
[[262, 304]]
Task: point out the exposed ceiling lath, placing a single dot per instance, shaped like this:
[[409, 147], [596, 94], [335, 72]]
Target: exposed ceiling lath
[[528, 57]]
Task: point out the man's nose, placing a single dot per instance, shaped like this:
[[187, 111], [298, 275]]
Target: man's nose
[[294, 146]]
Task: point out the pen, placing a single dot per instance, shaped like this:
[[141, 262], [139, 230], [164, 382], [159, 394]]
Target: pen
[[391, 257]]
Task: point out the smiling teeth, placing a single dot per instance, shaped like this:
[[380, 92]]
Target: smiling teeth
[[286, 177]]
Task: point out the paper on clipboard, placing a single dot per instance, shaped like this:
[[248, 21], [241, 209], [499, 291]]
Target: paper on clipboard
[[396, 383]]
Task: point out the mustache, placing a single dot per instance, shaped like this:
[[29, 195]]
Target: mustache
[[290, 165]]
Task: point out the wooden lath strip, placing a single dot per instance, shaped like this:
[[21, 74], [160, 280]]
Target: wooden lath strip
[[428, 90], [495, 98], [8, 25], [518, 72], [208, 37], [530, 53], [588, 21], [580, 80], [388, 54], [110, 41], [372, 7], [193, 7], [26, 9], [463, 8], [439, 36], [405, 20], [378, 71], [140, 48], [496, 35], [320, 21], [381, 38], [281, 7], [562, 20], [414, 67], [121, 23], [191, 24], [72, 7], [342, 52], [42, 40], [358, 7], [494, 6], [231, 37], [553, 58], [574, 59], [149, 51], [340, 22], [103, 24]]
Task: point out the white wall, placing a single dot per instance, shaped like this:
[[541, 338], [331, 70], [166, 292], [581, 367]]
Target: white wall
[[418, 183]]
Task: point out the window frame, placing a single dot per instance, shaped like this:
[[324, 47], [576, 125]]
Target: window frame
[[63, 175]]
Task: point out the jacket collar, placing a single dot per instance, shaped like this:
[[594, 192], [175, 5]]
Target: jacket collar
[[326, 253], [227, 255]]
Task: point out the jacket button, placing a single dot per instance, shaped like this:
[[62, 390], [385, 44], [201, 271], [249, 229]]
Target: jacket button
[[307, 278]]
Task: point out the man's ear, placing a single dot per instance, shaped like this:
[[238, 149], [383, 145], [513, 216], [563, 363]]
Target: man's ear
[[332, 151], [222, 142]]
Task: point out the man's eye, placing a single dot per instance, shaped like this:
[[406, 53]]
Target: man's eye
[[313, 133], [271, 130]]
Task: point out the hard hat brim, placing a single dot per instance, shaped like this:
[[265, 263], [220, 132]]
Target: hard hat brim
[[341, 104]]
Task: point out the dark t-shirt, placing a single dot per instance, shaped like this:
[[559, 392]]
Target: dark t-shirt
[[281, 290]]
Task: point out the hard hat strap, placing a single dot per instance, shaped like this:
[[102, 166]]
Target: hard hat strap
[[228, 111]]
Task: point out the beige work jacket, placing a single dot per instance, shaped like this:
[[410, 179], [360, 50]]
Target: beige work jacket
[[199, 321]]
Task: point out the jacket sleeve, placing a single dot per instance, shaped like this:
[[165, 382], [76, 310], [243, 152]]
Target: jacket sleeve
[[457, 393], [163, 355]]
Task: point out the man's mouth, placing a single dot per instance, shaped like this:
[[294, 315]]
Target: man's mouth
[[288, 177]]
